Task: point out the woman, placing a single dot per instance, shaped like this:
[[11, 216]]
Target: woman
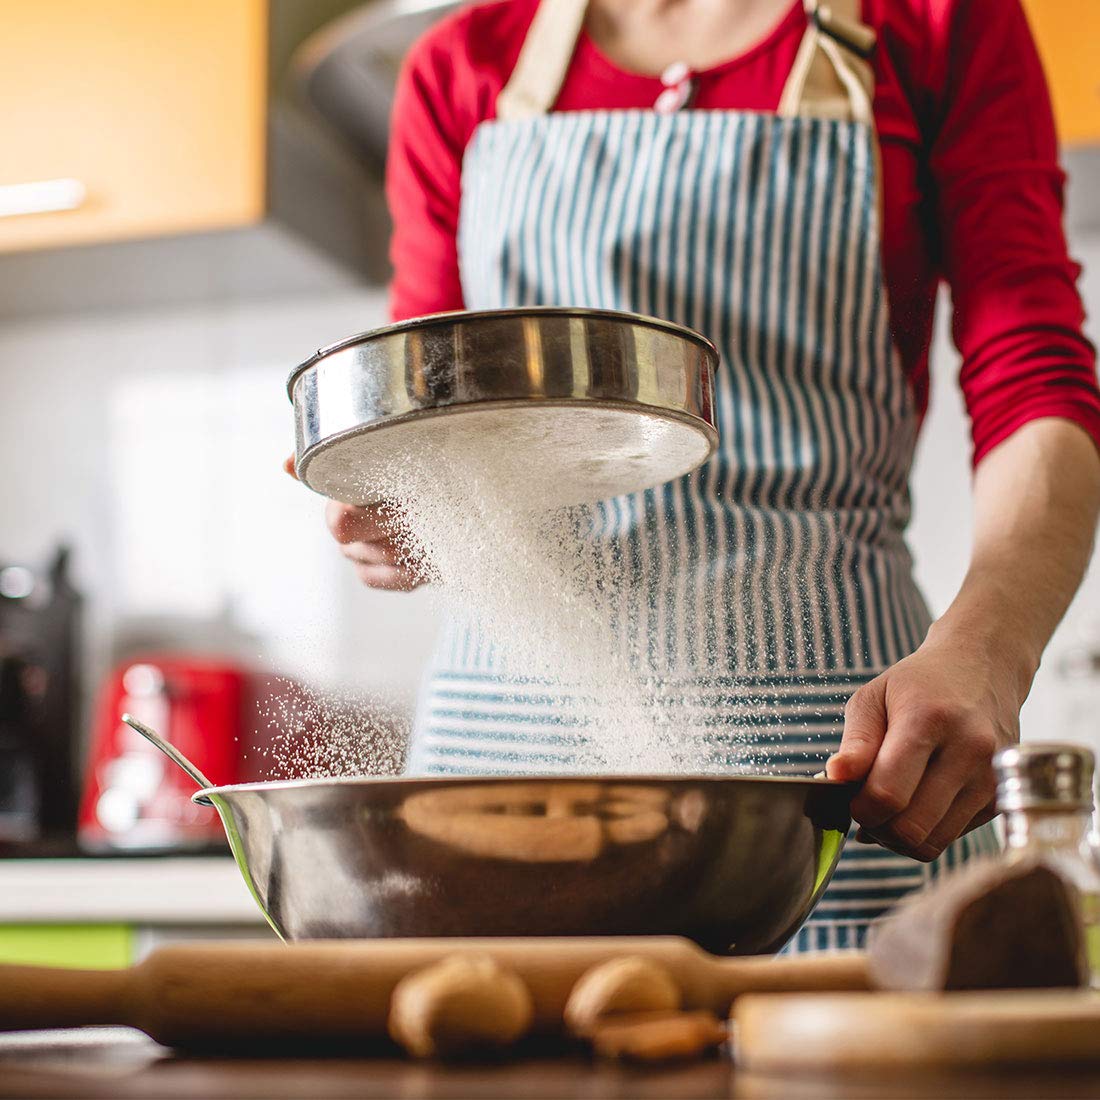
[[537, 159]]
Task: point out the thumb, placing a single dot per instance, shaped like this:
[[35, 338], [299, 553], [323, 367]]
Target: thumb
[[288, 467], [864, 730]]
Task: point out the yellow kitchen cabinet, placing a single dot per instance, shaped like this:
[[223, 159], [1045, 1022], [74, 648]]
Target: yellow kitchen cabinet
[[1068, 36], [152, 111], [158, 151]]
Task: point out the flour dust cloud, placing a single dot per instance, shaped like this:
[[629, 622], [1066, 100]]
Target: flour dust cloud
[[560, 606], [314, 733]]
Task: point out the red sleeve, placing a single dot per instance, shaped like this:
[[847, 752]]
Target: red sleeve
[[448, 85], [994, 161], [423, 174]]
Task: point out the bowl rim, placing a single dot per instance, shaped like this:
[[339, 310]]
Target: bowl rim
[[204, 796]]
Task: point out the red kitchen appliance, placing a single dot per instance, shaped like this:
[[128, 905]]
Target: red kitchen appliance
[[133, 798]]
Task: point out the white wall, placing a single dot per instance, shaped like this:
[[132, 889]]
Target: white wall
[[152, 441]]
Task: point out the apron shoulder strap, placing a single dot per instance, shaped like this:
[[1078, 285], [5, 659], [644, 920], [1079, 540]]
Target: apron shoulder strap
[[543, 60], [832, 75]]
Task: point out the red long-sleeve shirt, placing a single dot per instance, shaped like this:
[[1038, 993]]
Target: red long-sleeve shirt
[[973, 191]]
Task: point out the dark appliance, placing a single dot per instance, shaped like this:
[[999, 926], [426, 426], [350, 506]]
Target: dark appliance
[[39, 702]]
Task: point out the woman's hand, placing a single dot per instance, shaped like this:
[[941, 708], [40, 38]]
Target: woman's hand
[[922, 737], [367, 541], [923, 734]]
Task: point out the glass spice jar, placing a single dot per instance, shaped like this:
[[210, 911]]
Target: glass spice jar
[[1045, 791]]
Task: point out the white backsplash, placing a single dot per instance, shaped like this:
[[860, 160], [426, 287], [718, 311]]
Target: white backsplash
[[152, 441]]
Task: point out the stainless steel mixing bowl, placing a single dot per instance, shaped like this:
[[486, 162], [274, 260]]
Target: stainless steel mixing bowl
[[589, 404], [734, 863]]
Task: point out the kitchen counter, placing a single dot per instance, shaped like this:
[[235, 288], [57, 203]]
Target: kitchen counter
[[118, 1063], [140, 890], [112, 911]]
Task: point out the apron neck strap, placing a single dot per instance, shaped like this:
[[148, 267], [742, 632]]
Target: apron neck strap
[[543, 61], [831, 77]]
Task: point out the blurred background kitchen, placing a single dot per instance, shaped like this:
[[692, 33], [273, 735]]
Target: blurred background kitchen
[[190, 204]]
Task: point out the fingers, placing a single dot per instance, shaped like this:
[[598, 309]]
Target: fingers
[[959, 819], [986, 814], [373, 553], [955, 793], [972, 807], [899, 768], [366, 540], [382, 565], [925, 811], [288, 467], [864, 731], [389, 578], [350, 524]]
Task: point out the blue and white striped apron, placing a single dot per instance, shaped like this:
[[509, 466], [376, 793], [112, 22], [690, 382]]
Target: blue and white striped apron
[[779, 568]]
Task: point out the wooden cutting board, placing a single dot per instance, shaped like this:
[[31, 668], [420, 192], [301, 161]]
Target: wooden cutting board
[[882, 1031]]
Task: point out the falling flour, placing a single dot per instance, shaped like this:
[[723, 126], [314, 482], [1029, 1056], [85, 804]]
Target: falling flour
[[557, 603], [309, 732]]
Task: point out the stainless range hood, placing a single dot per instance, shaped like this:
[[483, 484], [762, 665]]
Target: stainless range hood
[[348, 69]]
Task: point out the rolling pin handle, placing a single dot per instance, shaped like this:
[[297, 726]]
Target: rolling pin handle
[[838, 972], [34, 997]]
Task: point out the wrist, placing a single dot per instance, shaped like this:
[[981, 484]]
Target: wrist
[[992, 640]]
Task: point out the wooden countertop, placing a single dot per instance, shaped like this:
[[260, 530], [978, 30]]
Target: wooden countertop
[[117, 1063]]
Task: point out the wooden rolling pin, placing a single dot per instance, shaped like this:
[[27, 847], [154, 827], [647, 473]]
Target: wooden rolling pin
[[199, 994]]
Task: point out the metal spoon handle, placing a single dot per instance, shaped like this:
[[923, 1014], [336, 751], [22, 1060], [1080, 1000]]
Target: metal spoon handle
[[170, 751]]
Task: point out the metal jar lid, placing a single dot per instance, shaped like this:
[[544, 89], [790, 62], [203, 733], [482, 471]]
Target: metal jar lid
[[1044, 775]]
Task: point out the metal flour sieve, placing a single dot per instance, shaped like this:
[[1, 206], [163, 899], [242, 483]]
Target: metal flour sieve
[[589, 404]]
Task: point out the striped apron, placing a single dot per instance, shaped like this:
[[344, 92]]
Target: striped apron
[[780, 566]]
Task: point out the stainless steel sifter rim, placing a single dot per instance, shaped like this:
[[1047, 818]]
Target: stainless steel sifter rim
[[642, 386], [415, 323]]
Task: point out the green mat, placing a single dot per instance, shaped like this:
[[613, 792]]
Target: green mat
[[98, 946]]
